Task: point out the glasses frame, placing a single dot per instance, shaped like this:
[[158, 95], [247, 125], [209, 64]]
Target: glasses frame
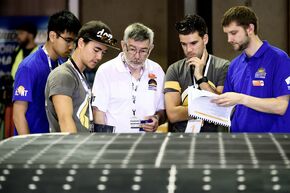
[[67, 40], [134, 51]]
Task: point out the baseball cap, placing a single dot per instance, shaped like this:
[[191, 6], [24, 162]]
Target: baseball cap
[[98, 31]]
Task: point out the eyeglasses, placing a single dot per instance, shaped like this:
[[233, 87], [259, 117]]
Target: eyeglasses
[[67, 40], [143, 52]]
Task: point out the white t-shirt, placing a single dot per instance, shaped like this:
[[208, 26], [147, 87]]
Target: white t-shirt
[[112, 93]]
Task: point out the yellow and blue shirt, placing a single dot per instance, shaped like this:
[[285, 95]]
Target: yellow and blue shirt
[[178, 78]]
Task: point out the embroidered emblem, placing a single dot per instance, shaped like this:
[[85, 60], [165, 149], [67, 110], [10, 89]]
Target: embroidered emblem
[[21, 91], [261, 73]]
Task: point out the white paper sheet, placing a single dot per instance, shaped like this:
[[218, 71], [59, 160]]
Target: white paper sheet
[[200, 107]]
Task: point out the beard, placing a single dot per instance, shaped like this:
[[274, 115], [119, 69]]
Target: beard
[[242, 46], [134, 63], [24, 43]]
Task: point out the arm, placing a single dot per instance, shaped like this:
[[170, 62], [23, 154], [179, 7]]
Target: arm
[[161, 115], [267, 105], [99, 116], [19, 111], [64, 109], [199, 65], [157, 119], [174, 110], [207, 87], [100, 122]]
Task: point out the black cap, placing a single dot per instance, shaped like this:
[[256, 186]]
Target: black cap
[[29, 27], [98, 31]]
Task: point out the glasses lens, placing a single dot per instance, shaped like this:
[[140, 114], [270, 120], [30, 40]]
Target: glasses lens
[[133, 51], [67, 40]]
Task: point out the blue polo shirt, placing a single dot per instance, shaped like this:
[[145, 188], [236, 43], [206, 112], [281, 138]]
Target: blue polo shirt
[[264, 75], [29, 86]]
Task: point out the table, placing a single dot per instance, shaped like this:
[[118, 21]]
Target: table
[[148, 162]]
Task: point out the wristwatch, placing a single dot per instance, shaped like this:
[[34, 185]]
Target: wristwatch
[[156, 117], [203, 79]]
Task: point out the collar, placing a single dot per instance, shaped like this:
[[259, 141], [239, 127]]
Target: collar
[[44, 57], [259, 52]]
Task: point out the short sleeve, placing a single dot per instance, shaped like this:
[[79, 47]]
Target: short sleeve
[[101, 91], [171, 80], [229, 84], [223, 73], [61, 83], [23, 84], [160, 104], [282, 77]]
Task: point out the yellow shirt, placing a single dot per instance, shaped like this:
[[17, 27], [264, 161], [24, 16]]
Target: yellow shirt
[[18, 59]]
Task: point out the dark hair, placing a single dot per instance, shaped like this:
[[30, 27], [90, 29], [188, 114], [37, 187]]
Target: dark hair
[[242, 15], [191, 24], [63, 21], [29, 27]]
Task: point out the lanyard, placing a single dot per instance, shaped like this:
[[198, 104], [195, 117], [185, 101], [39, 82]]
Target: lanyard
[[134, 86], [205, 72], [48, 58], [85, 86]]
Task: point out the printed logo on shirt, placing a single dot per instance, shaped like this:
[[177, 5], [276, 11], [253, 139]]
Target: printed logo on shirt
[[287, 80], [261, 73], [82, 113], [151, 76], [258, 83], [152, 84], [21, 91]]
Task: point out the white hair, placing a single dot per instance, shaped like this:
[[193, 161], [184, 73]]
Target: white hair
[[138, 32]]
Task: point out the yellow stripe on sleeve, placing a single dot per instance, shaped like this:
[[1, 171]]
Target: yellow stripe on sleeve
[[173, 85]]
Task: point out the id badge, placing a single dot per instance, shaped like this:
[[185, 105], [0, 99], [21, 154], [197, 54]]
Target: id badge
[[193, 126], [134, 123]]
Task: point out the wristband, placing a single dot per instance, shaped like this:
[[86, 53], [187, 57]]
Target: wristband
[[203, 79]]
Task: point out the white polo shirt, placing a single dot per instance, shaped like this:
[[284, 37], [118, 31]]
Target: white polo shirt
[[112, 93]]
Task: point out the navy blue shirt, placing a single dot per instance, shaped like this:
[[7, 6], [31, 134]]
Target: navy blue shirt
[[264, 75], [29, 86]]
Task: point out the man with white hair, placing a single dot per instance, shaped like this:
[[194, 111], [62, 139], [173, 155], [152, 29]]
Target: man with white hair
[[128, 90]]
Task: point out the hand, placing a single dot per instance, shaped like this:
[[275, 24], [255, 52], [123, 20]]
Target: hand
[[152, 126], [199, 64], [228, 99]]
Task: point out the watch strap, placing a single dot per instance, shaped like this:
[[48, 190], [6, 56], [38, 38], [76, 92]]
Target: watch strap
[[203, 79]]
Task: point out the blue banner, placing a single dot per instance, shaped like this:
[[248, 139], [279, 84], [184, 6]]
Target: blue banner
[[8, 40]]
